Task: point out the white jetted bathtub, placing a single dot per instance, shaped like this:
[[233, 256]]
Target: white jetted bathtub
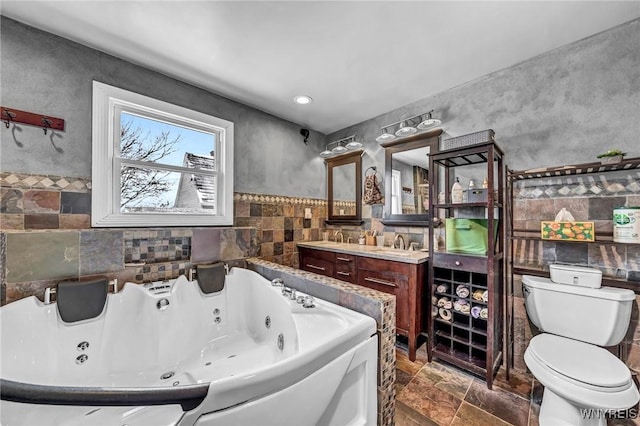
[[168, 354]]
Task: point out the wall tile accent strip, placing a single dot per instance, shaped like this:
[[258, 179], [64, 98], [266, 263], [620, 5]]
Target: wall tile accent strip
[[380, 306], [59, 183], [596, 185]]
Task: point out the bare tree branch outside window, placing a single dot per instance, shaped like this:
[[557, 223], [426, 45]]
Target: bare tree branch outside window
[[144, 185]]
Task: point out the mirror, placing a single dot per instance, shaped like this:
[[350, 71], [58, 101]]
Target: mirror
[[344, 189], [407, 179]]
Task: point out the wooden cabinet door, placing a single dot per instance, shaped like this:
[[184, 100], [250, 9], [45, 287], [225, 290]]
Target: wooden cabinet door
[[388, 277]]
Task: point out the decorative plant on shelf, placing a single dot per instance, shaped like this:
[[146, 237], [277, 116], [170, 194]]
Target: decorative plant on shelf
[[612, 156]]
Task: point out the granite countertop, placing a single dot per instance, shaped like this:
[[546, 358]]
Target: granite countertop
[[377, 252]]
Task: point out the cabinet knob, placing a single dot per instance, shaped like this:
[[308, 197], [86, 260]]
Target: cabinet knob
[[458, 263]]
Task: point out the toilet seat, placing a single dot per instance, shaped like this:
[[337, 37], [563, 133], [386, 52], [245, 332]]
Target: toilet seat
[[616, 393], [586, 364]]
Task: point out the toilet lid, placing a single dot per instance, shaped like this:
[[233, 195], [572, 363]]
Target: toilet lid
[[580, 361]]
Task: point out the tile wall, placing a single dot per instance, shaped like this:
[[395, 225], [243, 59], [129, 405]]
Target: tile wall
[[588, 198]]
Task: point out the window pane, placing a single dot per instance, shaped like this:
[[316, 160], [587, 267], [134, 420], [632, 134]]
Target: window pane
[[145, 139], [145, 190]]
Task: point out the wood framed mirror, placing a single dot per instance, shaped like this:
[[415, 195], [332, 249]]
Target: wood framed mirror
[[344, 189], [406, 171]]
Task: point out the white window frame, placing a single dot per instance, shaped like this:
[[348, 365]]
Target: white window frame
[[396, 192], [108, 103]]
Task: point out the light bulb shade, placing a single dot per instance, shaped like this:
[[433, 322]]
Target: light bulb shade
[[385, 137], [429, 123], [354, 145], [326, 153], [338, 149], [405, 130]]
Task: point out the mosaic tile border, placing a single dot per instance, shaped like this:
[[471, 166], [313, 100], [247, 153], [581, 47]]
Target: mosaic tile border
[[596, 185], [262, 198], [378, 305], [50, 182]]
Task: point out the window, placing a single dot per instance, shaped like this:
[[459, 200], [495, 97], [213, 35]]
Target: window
[[396, 192], [158, 164]]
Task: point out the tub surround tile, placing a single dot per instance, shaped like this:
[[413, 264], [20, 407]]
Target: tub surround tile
[[11, 222], [75, 203], [42, 255], [41, 221], [205, 245], [75, 221], [101, 251], [35, 201], [11, 201]]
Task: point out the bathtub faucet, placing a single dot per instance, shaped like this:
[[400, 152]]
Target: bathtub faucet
[[47, 294], [289, 292]]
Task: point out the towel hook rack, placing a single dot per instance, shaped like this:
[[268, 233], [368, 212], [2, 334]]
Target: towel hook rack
[[10, 115]]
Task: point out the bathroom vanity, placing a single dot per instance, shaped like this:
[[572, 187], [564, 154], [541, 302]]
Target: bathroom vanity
[[399, 272]]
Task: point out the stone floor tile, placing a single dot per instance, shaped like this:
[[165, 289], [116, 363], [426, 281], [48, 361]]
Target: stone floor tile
[[405, 416], [499, 402], [469, 415], [445, 378], [519, 383], [424, 397]]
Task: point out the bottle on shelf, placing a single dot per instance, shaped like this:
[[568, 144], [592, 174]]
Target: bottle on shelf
[[456, 192], [472, 184], [485, 183]]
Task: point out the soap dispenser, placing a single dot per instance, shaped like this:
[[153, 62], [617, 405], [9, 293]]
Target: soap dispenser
[[456, 192]]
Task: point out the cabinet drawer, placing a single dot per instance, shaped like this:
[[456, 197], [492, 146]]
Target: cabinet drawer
[[318, 266], [317, 254], [346, 267], [460, 262]]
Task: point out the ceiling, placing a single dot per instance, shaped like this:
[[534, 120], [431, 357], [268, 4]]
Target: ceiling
[[356, 59]]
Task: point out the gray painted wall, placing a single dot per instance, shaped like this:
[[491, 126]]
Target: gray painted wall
[[562, 107], [50, 75]]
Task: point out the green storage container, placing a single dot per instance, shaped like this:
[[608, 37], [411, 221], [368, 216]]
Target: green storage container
[[468, 236]]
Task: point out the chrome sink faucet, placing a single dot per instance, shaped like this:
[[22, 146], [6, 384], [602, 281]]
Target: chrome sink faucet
[[341, 236], [399, 242]]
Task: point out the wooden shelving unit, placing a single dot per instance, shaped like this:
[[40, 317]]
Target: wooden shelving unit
[[469, 337]]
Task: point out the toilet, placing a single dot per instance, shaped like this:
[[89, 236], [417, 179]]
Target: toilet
[[582, 380]]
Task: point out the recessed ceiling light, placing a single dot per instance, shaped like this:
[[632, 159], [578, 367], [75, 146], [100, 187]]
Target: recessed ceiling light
[[302, 99]]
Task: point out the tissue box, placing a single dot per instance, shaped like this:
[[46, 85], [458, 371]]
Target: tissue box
[[568, 231]]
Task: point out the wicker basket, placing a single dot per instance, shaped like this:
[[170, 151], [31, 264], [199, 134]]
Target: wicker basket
[[470, 139]]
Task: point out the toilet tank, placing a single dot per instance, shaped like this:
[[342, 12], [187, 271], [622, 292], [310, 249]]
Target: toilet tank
[[594, 315]]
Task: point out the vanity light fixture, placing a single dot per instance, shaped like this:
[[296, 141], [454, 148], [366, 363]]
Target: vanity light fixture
[[429, 121], [302, 100], [405, 129], [385, 136], [341, 146], [408, 126]]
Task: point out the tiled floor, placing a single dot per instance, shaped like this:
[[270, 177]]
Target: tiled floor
[[439, 394]]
